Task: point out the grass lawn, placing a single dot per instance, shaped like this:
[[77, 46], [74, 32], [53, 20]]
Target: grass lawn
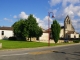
[[6, 44]]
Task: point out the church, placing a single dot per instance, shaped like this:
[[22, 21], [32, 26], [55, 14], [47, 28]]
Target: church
[[68, 31]]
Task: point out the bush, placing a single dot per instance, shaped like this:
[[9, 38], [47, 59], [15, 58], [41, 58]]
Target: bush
[[76, 41], [12, 38]]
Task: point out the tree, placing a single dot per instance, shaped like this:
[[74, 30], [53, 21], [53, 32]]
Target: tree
[[19, 29], [55, 28], [39, 32], [27, 28], [32, 26]]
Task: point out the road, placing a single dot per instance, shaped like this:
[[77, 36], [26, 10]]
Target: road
[[70, 52]]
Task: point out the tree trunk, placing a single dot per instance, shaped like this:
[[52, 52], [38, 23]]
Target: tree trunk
[[30, 39]]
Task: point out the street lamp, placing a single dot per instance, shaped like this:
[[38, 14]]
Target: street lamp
[[49, 26]]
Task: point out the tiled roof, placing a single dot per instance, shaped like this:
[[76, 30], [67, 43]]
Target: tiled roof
[[70, 32], [47, 31], [6, 28]]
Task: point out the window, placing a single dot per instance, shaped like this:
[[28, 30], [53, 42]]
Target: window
[[69, 21], [2, 33], [65, 26]]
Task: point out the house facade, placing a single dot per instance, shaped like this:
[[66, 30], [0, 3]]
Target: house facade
[[6, 32]]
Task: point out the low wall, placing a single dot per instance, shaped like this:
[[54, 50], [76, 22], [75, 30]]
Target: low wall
[[0, 45]]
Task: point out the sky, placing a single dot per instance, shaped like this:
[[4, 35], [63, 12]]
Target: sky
[[13, 10]]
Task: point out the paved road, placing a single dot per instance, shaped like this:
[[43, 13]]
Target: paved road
[[71, 52]]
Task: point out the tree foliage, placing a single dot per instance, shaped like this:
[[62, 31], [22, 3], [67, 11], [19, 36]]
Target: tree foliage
[[19, 29], [27, 28], [39, 32], [33, 28], [55, 28]]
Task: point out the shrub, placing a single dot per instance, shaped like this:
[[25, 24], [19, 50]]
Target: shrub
[[76, 41], [12, 38]]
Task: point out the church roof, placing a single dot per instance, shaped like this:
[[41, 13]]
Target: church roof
[[67, 17], [70, 32]]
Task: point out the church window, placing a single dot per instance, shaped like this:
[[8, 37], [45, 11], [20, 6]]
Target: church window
[[69, 21], [65, 26]]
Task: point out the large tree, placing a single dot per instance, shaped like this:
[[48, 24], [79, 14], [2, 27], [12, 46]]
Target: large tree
[[27, 28], [19, 29], [39, 32], [32, 26], [55, 28]]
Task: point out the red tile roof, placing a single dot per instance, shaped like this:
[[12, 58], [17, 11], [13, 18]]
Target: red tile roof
[[6, 28]]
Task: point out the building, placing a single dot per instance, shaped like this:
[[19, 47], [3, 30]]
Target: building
[[6, 32], [68, 31]]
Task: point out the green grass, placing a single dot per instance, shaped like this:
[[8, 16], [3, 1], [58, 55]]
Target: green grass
[[6, 44]]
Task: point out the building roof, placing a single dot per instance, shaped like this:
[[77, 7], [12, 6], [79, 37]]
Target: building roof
[[47, 31], [70, 32], [6, 28], [62, 27]]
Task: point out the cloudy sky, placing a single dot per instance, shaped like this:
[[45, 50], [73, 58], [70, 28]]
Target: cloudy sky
[[12, 10]]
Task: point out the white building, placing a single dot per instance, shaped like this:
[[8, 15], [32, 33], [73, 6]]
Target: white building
[[5, 32]]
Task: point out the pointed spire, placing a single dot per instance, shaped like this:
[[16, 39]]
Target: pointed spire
[[67, 16]]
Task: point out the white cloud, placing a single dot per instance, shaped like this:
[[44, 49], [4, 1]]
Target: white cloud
[[72, 10], [68, 7], [42, 23], [23, 15], [54, 2], [78, 13], [64, 2], [6, 19], [38, 19], [15, 16]]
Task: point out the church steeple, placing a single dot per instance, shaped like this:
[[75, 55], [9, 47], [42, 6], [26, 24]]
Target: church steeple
[[67, 20], [68, 24]]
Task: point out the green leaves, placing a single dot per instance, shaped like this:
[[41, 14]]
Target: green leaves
[[19, 29], [55, 28], [27, 28]]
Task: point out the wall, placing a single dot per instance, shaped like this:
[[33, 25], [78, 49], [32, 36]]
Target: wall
[[72, 35], [7, 34], [62, 33], [77, 35], [45, 36]]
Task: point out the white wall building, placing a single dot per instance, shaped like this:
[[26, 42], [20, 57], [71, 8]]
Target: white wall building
[[5, 32]]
